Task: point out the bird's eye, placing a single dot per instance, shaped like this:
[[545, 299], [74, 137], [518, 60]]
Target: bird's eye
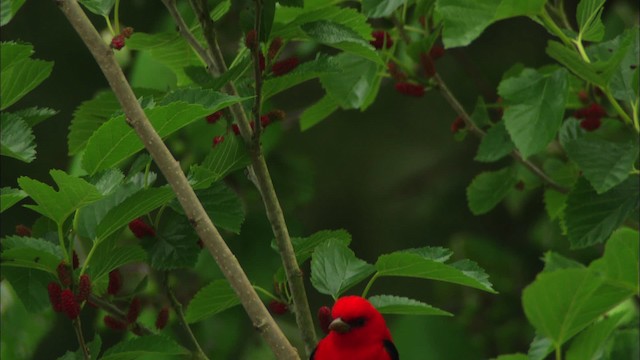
[[357, 322]]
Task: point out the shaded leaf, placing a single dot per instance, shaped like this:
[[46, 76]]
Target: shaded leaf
[[35, 115], [28, 252], [30, 285], [489, 188], [588, 15], [495, 145], [88, 117], [341, 37], [317, 112], [352, 87], [108, 257], [99, 7], [9, 197], [380, 8], [150, 345], [8, 9], [574, 63], [591, 341], [16, 138], [175, 244], [212, 299], [226, 157]]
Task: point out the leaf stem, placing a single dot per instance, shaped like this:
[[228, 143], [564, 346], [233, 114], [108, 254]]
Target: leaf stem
[[77, 326], [266, 293], [108, 21], [94, 245], [369, 284], [116, 16], [553, 27], [616, 106], [558, 352]]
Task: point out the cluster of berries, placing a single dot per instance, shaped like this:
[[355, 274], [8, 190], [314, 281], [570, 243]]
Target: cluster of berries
[[118, 41], [590, 116], [278, 68], [62, 296], [265, 120]]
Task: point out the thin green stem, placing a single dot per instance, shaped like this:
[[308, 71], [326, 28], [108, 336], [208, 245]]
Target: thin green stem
[[623, 114], [177, 307], [62, 243], [415, 29], [108, 21], [116, 16], [77, 326], [265, 292], [147, 169], [558, 352], [634, 112], [553, 27], [581, 50], [369, 284], [89, 256]]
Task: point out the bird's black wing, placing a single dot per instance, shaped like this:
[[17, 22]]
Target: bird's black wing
[[313, 353], [391, 350]]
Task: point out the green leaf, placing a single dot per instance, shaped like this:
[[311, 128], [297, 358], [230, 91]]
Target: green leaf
[[489, 188], [212, 299], [226, 157], [115, 141], [221, 8], [8, 9], [591, 217], [306, 71], [495, 145], [380, 8], [16, 138], [428, 264], [341, 37], [624, 344], [317, 112], [150, 345], [352, 87], [591, 342], [290, 28], [107, 257], [175, 244], [618, 66], [620, 260], [574, 63], [390, 304], [20, 74], [540, 347], [588, 15], [88, 117], [30, 285], [207, 98], [93, 347], [335, 268], [98, 7], [27, 252], [534, 108], [221, 204], [9, 197], [134, 206], [35, 115], [73, 194], [480, 115], [604, 163], [554, 261], [465, 20]]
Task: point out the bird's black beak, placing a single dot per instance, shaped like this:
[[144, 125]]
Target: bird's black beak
[[338, 325]]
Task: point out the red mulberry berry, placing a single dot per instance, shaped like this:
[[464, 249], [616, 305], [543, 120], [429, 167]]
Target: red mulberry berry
[[84, 288], [140, 229], [217, 140], [236, 129], [251, 40], [583, 96], [22, 230], [324, 318], [276, 115], [134, 310], [117, 42], [395, 72], [115, 282], [163, 318], [436, 52], [127, 32], [278, 307], [63, 274], [69, 304], [261, 62], [381, 39], [285, 66], [264, 121], [428, 65], [76, 262], [410, 89], [213, 118], [274, 47], [54, 296], [593, 111], [457, 125], [590, 124], [114, 324]]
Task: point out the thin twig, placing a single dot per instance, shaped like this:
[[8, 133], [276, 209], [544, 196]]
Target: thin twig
[[257, 74], [174, 175], [262, 179], [183, 29], [77, 326], [117, 313]]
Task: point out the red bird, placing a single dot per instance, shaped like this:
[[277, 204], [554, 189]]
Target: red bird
[[357, 332]]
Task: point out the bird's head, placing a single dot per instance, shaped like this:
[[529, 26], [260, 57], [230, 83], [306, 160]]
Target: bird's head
[[354, 319]]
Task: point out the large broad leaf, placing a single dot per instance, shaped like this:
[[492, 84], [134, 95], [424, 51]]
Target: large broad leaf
[[16, 138], [489, 188], [115, 141], [465, 20], [495, 145], [8, 9], [390, 304], [73, 194], [151, 345], [534, 108], [380, 8], [9, 197], [604, 163], [31, 253], [591, 342], [317, 112], [335, 268], [20, 74], [352, 88], [588, 15], [108, 256], [341, 37], [306, 71], [591, 217], [31, 286], [175, 244], [88, 117], [210, 300], [35, 115], [223, 159]]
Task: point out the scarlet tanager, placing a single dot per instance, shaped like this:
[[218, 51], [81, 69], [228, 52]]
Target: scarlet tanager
[[357, 332]]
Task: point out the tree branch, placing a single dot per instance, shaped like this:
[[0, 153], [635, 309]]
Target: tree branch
[[262, 180], [170, 168]]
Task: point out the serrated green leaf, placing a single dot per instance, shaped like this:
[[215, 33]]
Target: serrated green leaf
[[207, 98], [617, 60], [540, 347], [380, 8], [317, 112], [30, 285], [351, 88], [20, 74], [134, 206], [175, 244], [221, 204], [212, 299], [16, 138], [592, 217], [413, 264], [150, 345], [88, 117], [8, 9], [73, 194], [495, 145], [335, 268], [591, 341], [554, 261], [115, 141], [226, 157], [99, 7], [554, 203], [620, 260], [9, 197], [588, 15], [304, 72], [35, 115], [341, 37], [489, 188], [604, 163], [390, 304], [288, 21], [534, 108], [108, 256], [28, 252], [574, 63], [465, 20]]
